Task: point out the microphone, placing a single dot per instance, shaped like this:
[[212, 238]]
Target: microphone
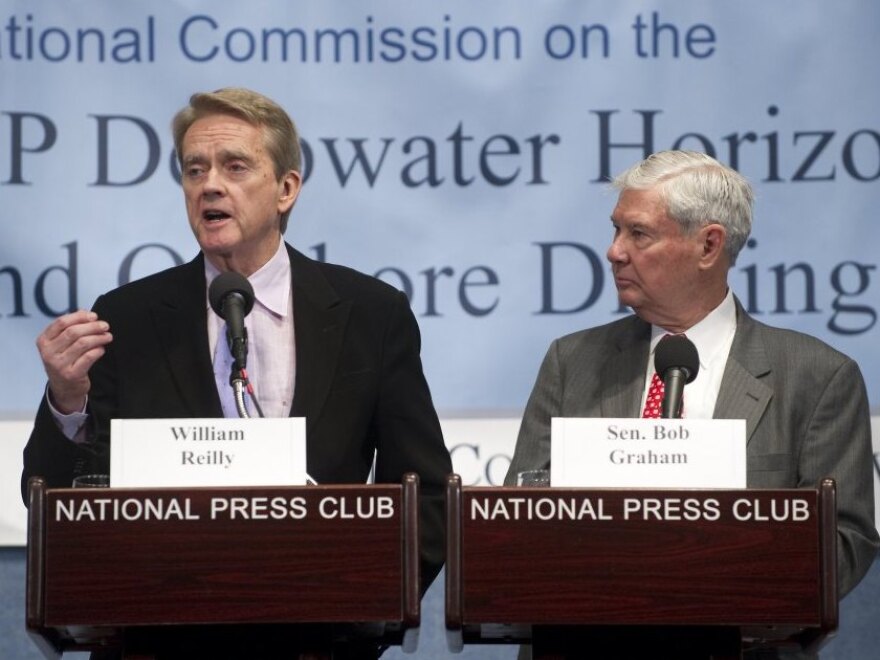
[[677, 362], [232, 298]]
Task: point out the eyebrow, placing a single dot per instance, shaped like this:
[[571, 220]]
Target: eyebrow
[[193, 158], [228, 154], [225, 155]]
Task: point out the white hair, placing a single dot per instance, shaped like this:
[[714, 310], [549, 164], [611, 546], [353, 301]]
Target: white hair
[[697, 190]]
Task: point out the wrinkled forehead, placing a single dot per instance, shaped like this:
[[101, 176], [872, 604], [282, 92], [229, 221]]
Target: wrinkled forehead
[[226, 133], [640, 203]]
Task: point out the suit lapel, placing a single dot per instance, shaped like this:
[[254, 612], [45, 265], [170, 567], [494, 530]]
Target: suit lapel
[[623, 376], [319, 320], [743, 395], [180, 316]]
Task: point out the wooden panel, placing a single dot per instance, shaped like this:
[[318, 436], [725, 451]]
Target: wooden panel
[[639, 557], [249, 555]]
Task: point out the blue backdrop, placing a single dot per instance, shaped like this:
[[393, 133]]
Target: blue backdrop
[[456, 149]]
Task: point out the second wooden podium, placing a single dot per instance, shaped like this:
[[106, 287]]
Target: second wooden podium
[[622, 573]]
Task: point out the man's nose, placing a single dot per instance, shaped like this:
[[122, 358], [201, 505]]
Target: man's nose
[[213, 182], [616, 252]]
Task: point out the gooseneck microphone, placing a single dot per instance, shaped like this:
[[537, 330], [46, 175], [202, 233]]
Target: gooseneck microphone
[[677, 362], [232, 298]]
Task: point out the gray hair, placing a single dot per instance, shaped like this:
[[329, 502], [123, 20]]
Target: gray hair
[[697, 190]]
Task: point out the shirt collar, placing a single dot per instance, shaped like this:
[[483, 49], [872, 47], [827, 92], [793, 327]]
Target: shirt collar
[[710, 335], [271, 282]]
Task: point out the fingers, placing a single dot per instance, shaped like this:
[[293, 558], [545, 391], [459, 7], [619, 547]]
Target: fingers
[[69, 346], [75, 320], [70, 338]]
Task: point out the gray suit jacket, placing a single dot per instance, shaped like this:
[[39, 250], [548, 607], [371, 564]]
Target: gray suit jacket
[[805, 406]]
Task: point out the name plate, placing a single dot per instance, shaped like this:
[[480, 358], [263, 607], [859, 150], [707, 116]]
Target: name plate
[[148, 453], [647, 453]]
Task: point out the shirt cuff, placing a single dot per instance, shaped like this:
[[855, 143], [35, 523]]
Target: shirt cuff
[[71, 423]]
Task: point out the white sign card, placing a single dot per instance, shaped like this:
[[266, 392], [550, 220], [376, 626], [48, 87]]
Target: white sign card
[[208, 452], [647, 453]]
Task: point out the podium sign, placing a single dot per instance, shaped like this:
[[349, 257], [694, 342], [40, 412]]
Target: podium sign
[[151, 453], [597, 452], [762, 562], [102, 562]]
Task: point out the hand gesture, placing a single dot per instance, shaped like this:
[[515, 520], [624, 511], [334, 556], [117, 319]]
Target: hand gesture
[[69, 346]]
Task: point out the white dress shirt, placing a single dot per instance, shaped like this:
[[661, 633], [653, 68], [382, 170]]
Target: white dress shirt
[[713, 337]]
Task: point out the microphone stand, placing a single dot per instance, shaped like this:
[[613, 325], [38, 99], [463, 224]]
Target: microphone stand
[[238, 386], [238, 375], [673, 386], [238, 379]]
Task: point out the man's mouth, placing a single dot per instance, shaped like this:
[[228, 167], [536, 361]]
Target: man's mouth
[[214, 216]]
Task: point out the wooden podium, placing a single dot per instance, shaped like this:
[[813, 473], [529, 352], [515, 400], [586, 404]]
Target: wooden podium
[[321, 571], [620, 573]]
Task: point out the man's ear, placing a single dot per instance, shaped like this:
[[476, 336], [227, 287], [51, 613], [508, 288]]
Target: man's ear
[[291, 184], [712, 238]]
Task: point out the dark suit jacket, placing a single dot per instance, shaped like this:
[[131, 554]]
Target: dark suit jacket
[[805, 406], [359, 381]]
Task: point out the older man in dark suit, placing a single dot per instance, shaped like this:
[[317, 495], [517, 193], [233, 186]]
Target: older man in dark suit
[[326, 342], [679, 224]]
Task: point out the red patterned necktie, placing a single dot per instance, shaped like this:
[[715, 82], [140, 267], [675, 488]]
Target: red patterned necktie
[[655, 398]]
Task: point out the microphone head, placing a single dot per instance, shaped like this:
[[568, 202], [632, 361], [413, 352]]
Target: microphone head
[[226, 284], [677, 352]]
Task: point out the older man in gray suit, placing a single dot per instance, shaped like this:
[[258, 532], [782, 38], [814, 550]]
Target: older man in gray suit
[[680, 221]]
